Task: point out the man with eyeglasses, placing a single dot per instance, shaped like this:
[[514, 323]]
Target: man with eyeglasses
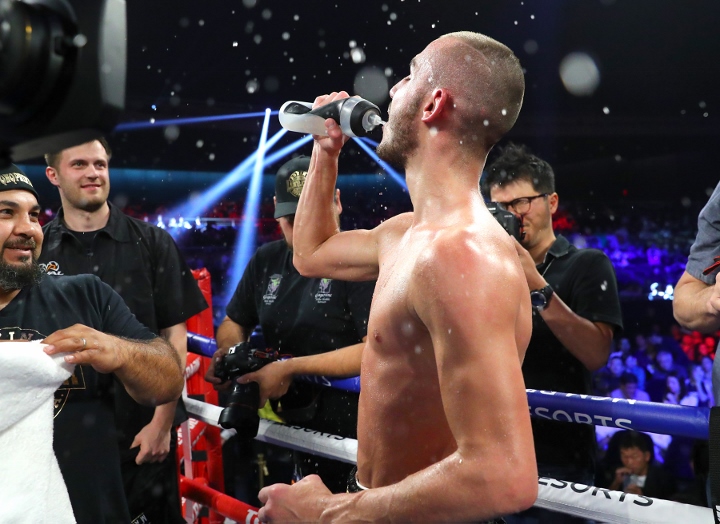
[[576, 311]]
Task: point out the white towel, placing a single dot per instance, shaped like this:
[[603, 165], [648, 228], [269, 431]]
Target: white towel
[[32, 489]]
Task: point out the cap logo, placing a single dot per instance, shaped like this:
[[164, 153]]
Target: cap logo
[[295, 183], [14, 178]]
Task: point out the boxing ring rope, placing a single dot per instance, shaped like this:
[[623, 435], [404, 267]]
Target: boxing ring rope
[[558, 495]]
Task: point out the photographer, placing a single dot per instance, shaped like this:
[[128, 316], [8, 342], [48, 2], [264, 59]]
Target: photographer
[[304, 318], [576, 311]]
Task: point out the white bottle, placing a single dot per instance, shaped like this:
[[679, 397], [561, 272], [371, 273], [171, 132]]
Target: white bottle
[[355, 116]]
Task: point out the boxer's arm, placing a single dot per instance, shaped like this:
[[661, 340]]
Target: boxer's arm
[[474, 322], [319, 248], [696, 305]]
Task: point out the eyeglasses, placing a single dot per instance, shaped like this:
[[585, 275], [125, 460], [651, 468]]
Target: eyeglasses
[[520, 205]]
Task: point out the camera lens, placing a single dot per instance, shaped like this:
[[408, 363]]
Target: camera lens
[[34, 53]]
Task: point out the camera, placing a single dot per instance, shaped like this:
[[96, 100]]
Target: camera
[[62, 73], [241, 412], [506, 219]]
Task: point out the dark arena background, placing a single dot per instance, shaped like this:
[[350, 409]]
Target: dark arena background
[[622, 99]]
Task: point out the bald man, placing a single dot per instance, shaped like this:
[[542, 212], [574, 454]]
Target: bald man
[[443, 427]]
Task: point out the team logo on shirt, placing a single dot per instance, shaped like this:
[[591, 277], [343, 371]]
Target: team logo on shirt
[[272, 289], [324, 292], [75, 381], [51, 268]]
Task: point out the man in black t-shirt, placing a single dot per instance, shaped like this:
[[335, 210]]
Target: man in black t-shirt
[[576, 311], [143, 264], [305, 318], [83, 317]]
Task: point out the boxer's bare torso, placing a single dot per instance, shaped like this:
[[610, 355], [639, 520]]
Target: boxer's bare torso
[[403, 426]]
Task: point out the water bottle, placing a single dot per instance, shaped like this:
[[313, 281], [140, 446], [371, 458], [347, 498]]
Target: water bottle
[[355, 116]]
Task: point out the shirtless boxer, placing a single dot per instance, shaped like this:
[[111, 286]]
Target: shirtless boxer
[[443, 431]]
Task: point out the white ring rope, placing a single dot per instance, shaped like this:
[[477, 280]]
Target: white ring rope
[[583, 501]]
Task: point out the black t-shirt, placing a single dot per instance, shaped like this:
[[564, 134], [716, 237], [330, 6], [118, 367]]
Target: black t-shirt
[[143, 264], [84, 432], [304, 316], [585, 280]]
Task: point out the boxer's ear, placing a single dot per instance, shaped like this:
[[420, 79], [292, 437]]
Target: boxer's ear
[[436, 105]]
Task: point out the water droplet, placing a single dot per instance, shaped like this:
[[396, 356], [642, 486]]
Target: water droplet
[[579, 74], [486, 122], [357, 55], [531, 47], [171, 133], [606, 110], [503, 112], [252, 86]]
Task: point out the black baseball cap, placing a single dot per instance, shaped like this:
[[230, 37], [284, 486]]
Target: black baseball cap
[[12, 177], [289, 183]]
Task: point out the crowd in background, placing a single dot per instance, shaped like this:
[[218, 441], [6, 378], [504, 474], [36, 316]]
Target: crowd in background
[[672, 367]]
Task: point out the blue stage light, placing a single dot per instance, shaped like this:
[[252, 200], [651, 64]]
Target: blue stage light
[[245, 243], [132, 126], [397, 177]]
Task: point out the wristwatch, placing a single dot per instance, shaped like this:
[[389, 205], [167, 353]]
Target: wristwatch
[[540, 298]]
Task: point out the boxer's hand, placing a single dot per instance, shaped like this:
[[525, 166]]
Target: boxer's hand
[[304, 501], [335, 140]]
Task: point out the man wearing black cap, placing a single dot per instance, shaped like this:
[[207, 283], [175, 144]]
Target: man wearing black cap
[[301, 317], [85, 318], [143, 264]]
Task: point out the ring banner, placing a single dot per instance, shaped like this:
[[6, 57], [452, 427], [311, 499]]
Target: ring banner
[[615, 507], [308, 440], [654, 417]]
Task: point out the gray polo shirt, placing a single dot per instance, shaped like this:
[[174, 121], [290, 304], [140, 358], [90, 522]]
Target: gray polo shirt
[[702, 253]]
